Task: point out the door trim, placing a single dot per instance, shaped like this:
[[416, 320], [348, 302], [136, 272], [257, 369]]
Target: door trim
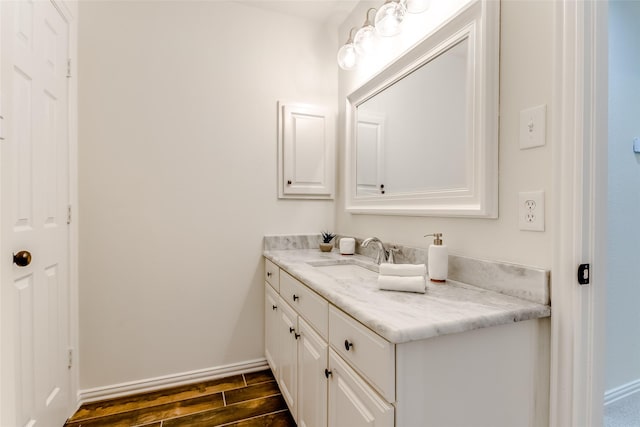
[[69, 10], [579, 182]]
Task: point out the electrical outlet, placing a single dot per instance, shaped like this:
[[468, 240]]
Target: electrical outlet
[[531, 210]]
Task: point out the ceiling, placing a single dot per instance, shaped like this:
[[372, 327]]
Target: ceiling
[[332, 12]]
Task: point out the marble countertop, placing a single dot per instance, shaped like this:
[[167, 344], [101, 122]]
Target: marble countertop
[[401, 316]]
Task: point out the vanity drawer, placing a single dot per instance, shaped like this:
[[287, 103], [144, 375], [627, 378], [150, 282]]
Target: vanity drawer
[[366, 351], [307, 303], [272, 274]]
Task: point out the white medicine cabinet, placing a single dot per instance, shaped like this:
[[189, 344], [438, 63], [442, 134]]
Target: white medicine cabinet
[[306, 151]]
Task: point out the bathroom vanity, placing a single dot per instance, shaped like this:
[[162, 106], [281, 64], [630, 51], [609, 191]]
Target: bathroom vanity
[[345, 353]]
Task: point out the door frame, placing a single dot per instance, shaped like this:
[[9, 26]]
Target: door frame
[[580, 194], [69, 12]]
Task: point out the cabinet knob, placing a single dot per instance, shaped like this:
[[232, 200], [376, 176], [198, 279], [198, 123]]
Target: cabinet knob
[[347, 345], [269, 274], [274, 307], [296, 336], [327, 373], [289, 182], [291, 330], [295, 297]]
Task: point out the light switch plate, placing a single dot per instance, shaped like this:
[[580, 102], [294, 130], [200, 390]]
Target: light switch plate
[[636, 145], [533, 127]]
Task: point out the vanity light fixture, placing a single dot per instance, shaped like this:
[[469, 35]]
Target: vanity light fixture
[[365, 39], [347, 55], [417, 6], [389, 17]]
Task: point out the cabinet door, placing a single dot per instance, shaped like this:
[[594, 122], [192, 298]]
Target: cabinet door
[[271, 319], [288, 355], [352, 402], [312, 383], [307, 144]]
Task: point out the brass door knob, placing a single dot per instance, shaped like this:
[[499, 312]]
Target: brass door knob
[[22, 258]]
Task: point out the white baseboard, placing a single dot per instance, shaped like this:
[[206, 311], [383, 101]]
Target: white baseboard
[[621, 392], [166, 381]]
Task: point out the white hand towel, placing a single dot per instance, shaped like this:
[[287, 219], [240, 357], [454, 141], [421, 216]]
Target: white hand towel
[[403, 269], [405, 284]]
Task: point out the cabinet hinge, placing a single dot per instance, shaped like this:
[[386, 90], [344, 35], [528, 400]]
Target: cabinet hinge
[[583, 274], [69, 68], [70, 360], [68, 214]]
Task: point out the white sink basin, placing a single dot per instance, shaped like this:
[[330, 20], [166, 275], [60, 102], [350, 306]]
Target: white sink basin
[[347, 271]]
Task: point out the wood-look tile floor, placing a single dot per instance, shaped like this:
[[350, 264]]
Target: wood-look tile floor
[[248, 400]]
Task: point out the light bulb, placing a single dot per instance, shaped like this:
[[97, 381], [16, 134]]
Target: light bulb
[[365, 40], [389, 18], [417, 6], [347, 56]]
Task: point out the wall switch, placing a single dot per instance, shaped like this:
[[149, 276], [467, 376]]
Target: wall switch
[[533, 127], [636, 145], [531, 210]]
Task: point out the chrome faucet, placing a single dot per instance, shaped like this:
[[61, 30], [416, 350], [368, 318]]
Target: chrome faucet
[[383, 253]]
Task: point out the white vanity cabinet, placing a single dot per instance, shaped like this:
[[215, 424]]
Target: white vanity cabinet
[[271, 322], [336, 370], [320, 388], [287, 337], [301, 367], [372, 356], [353, 403], [312, 381], [272, 274]]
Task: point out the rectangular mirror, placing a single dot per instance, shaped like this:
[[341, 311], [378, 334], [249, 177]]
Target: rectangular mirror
[[423, 133]]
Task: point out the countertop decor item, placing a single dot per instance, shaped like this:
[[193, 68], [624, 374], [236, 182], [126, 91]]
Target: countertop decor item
[[347, 246], [438, 259], [326, 245]]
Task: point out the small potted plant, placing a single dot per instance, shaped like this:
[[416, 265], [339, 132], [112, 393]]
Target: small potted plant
[[326, 244]]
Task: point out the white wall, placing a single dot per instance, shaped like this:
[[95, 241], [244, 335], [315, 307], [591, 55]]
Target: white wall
[[177, 111], [525, 80], [623, 290]]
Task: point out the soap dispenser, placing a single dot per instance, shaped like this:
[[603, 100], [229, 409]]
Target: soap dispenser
[[438, 259]]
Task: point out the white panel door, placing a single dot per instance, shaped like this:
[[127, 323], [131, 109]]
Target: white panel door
[[307, 145], [288, 368], [352, 403], [312, 382], [35, 194]]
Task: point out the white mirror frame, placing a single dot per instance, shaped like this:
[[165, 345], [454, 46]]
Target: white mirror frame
[[480, 23]]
